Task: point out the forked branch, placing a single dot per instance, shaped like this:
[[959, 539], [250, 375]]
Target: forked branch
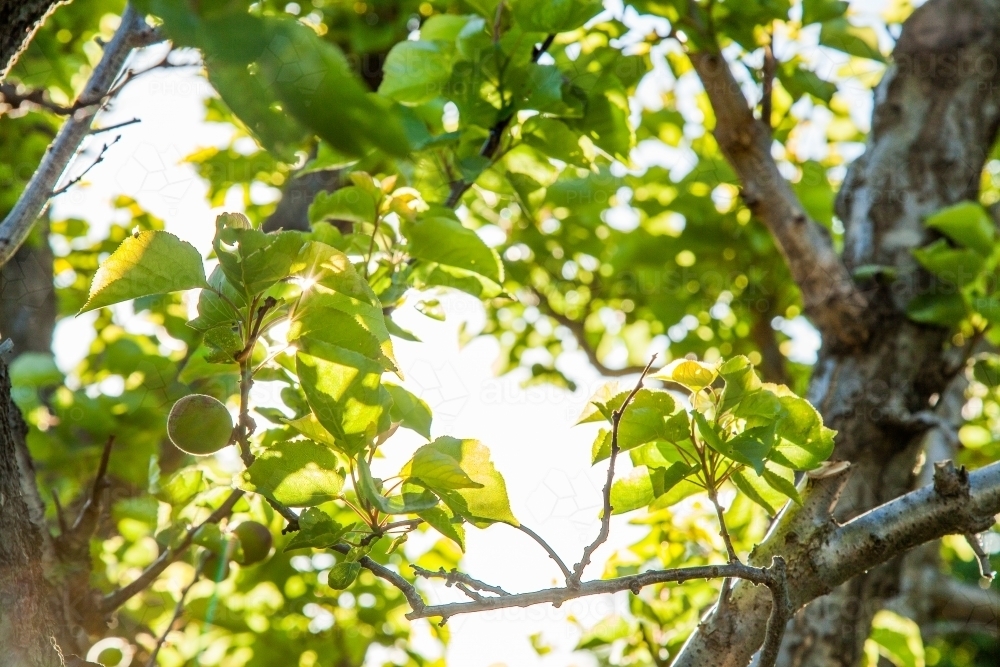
[[830, 296], [602, 536]]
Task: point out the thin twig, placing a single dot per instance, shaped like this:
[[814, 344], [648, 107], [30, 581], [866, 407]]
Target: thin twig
[[781, 611], [492, 143], [178, 610], [116, 126], [117, 598], [552, 553], [770, 64], [616, 418], [633, 583], [382, 572], [76, 179], [132, 33], [985, 567], [723, 531], [454, 578]]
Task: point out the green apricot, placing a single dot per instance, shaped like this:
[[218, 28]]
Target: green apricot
[[199, 425], [256, 541], [214, 568]]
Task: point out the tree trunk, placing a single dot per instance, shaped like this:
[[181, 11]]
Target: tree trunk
[[34, 614], [935, 121], [18, 21], [27, 295], [936, 117]]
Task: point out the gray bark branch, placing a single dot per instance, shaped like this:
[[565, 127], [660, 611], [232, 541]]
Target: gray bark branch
[[133, 32]]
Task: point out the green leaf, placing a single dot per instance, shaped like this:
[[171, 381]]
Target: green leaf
[[858, 41], [751, 447], [607, 631], [310, 427], [694, 375], [957, 266], [179, 488], [554, 16], [252, 260], [149, 262], [213, 309], [946, 310], [483, 505], [645, 418], [818, 11], [345, 393], [436, 468], [442, 520], [741, 379], [782, 479], [316, 530], [252, 102], [803, 441], [988, 307], [446, 241], [407, 502], [643, 485], [898, 638], [337, 309], [342, 575], [416, 71], [966, 223], [708, 433], [351, 203], [409, 411], [759, 490], [317, 86], [633, 490], [295, 474]]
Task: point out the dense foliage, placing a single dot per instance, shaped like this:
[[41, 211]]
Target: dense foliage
[[552, 158]]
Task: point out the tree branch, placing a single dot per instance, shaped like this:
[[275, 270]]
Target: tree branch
[[132, 33], [117, 598], [828, 293], [19, 19], [454, 577], [822, 555], [567, 574], [602, 536]]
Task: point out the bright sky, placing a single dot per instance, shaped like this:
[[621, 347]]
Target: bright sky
[[544, 458]]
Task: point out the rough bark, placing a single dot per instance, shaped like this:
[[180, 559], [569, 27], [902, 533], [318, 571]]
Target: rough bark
[[33, 616], [935, 120], [18, 21], [28, 298]]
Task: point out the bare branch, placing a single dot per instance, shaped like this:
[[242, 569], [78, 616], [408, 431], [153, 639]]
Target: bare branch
[[548, 549], [117, 598], [616, 418], [76, 179], [132, 33], [394, 578], [823, 555], [985, 567], [830, 297], [178, 610], [456, 578], [781, 611], [634, 583]]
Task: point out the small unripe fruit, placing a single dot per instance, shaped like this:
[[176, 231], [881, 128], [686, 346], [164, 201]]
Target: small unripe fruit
[[215, 569], [199, 425], [255, 539]]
